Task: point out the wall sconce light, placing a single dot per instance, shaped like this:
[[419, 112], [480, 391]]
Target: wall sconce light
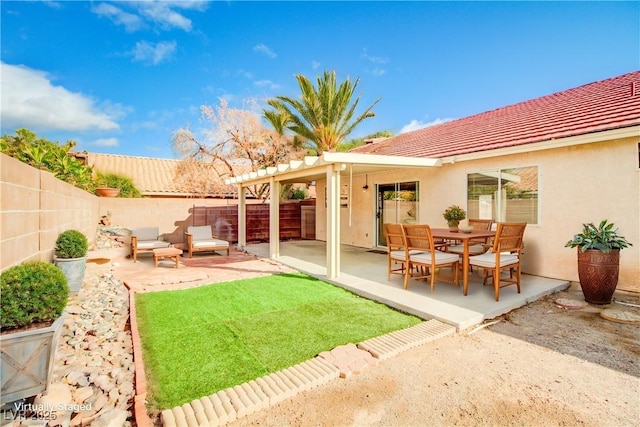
[[365, 187]]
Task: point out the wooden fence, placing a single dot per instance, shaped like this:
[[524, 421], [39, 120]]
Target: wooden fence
[[224, 221]]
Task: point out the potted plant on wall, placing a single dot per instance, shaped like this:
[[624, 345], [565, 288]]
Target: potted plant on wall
[[70, 255], [454, 214], [34, 295], [598, 260]]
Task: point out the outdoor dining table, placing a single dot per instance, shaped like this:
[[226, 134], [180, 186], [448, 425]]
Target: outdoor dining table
[[445, 233]]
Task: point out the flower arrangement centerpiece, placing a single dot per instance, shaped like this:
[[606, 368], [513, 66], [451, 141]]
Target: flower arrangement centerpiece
[[454, 214]]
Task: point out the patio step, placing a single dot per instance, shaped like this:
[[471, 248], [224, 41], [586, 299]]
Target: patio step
[[386, 346], [239, 401]]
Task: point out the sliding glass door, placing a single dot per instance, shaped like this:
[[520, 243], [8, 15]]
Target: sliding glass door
[[395, 203]]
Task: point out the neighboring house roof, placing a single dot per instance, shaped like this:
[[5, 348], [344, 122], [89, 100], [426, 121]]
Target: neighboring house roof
[[604, 105], [152, 176]]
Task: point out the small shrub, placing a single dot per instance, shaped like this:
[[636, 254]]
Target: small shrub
[[32, 292], [299, 194], [71, 244], [125, 184]]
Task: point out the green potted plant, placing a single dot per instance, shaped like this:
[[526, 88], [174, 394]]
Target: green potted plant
[[34, 295], [598, 260], [70, 255], [114, 185], [454, 214]]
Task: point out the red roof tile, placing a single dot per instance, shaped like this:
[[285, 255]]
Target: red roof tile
[[604, 105]]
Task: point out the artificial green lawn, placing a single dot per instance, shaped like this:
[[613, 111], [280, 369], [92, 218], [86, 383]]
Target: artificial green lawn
[[201, 340]]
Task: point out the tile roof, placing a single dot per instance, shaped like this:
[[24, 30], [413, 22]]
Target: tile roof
[[604, 105], [152, 176]]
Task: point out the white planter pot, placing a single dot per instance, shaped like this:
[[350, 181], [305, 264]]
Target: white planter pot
[[26, 362]]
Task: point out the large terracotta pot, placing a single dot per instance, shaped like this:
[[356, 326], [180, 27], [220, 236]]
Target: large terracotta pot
[[598, 274]]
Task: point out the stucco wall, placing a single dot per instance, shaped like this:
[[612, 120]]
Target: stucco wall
[[36, 207], [578, 184], [171, 216]]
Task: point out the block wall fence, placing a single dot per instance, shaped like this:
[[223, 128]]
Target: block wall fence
[[35, 207]]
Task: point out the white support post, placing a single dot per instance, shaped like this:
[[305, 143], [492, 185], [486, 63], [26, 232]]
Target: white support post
[[242, 218], [274, 219], [333, 221]]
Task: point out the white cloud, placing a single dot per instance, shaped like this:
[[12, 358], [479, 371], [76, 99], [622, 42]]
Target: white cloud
[[264, 49], [417, 124], [30, 100], [154, 54], [246, 74], [160, 12], [266, 83], [377, 71], [107, 142], [315, 65], [130, 21], [374, 59], [53, 4]]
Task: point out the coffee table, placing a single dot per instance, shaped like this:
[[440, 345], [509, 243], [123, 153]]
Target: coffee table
[[171, 253]]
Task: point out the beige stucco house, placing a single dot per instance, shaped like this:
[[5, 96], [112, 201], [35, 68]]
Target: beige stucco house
[[555, 162]]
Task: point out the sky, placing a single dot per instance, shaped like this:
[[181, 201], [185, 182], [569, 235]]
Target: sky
[[121, 77]]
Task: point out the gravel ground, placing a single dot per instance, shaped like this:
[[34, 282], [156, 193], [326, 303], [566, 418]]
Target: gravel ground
[[541, 365]]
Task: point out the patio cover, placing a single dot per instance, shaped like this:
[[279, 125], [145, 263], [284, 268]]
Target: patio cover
[[329, 166]]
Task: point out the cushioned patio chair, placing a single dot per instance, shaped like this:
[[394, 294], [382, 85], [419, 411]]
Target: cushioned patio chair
[[146, 239], [424, 256], [396, 250], [505, 254], [201, 239]]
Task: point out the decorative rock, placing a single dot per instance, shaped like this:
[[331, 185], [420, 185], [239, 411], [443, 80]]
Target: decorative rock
[[95, 350], [99, 402], [58, 396], [77, 378], [111, 418], [126, 388], [570, 304], [103, 382], [114, 396], [82, 394]]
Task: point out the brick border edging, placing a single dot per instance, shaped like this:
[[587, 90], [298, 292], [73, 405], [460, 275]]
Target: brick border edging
[[139, 399]]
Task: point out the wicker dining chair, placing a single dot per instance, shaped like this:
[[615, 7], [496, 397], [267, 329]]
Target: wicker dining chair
[[505, 254], [424, 256]]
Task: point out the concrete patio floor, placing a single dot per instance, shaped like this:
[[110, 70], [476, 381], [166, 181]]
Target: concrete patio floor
[[365, 273]]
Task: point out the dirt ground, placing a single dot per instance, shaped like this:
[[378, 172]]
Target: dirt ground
[[540, 365]]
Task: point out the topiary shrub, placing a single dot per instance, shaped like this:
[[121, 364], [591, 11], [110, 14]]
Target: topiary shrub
[[71, 244], [32, 292]]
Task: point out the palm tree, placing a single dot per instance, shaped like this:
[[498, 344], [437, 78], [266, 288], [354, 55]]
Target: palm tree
[[324, 115]]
